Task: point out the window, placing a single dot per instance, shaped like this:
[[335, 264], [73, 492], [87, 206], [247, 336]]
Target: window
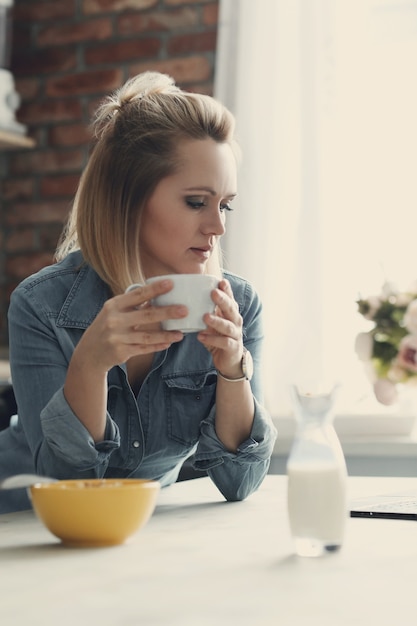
[[325, 100]]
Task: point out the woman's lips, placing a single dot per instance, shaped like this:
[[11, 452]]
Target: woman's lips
[[204, 253]]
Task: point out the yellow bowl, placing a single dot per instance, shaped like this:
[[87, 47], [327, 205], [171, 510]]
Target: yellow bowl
[[96, 512]]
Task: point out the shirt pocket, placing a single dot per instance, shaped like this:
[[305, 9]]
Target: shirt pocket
[[189, 400]]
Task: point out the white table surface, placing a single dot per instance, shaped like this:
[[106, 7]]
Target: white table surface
[[201, 561]]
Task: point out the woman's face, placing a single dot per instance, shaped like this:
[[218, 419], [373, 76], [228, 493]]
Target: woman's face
[[185, 216]]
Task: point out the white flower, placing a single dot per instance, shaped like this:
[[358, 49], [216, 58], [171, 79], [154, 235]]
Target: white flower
[[370, 371], [385, 391], [374, 302], [403, 299], [410, 317], [389, 289], [363, 346]]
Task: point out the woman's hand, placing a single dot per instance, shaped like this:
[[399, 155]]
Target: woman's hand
[[223, 337], [128, 325]]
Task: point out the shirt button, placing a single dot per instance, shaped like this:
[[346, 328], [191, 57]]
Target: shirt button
[[136, 444]]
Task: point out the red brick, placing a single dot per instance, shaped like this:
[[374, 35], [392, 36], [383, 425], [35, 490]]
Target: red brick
[[114, 6], [183, 70], [211, 14], [39, 213], [123, 51], [22, 239], [20, 189], [69, 135], [50, 111], [46, 61], [46, 161], [21, 266], [59, 185], [192, 42], [58, 35], [36, 11], [28, 88], [98, 81], [130, 23]]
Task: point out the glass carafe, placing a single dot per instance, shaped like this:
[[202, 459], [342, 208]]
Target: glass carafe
[[317, 476]]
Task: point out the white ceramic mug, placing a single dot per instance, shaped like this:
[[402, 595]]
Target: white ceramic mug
[[191, 290]]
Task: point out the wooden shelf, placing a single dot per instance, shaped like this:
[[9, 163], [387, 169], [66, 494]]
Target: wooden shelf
[[10, 140]]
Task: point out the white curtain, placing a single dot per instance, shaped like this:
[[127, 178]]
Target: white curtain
[[324, 94]]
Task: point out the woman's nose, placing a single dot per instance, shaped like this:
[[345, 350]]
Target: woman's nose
[[214, 222]]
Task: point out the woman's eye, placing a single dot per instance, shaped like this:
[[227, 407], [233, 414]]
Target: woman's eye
[[195, 203], [199, 203]]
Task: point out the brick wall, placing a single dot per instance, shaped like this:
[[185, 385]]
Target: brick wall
[[66, 55]]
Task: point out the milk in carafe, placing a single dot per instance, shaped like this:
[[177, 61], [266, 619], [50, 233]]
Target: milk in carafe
[[316, 470]]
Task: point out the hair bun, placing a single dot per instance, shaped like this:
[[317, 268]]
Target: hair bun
[[134, 90], [146, 84]]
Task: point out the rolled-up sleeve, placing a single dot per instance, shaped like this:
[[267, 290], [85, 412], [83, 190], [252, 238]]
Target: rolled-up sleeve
[[59, 444], [69, 440], [237, 474]]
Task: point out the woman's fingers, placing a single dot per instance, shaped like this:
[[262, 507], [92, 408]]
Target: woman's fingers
[[137, 295], [134, 309], [223, 337], [144, 315], [226, 319]]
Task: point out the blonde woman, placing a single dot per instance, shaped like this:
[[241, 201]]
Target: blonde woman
[[101, 389]]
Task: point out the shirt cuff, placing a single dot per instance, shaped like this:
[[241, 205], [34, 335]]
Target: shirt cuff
[[258, 447], [69, 439]]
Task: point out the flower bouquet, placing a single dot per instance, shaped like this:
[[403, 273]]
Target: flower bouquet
[[389, 348]]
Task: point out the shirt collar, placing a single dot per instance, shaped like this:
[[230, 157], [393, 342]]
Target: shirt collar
[[85, 298]]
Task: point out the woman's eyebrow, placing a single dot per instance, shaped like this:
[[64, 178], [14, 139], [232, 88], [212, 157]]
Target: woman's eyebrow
[[208, 190]]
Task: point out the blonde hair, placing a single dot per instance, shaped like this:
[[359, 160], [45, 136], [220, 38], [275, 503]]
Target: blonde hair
[[137, 130]]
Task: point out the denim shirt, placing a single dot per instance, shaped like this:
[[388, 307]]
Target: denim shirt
[[148, 436]]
